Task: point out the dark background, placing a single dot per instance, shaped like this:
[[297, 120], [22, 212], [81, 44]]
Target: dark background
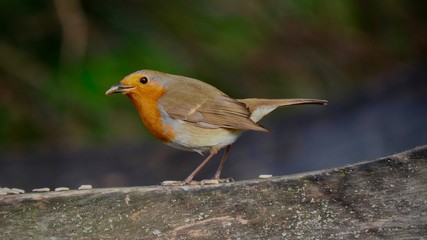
[[57, 59]]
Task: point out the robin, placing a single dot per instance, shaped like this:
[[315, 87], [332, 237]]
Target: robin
[[191, 115]]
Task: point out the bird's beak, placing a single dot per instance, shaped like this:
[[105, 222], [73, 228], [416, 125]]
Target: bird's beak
[[119, 88]]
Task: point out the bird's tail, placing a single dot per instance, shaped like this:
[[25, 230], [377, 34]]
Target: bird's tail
[[261, 107]]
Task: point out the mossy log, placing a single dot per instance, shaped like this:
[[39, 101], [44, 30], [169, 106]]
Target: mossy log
[[385, 198]]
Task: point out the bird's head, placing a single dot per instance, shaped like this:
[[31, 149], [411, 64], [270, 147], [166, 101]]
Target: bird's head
[[144, 83]]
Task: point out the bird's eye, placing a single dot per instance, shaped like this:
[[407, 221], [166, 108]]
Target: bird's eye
[[143, 80]]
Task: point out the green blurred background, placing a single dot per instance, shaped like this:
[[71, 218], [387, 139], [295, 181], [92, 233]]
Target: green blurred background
[[57, 59]]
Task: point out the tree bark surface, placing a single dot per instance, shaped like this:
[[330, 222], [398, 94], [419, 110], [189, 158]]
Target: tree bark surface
[[384, 198]]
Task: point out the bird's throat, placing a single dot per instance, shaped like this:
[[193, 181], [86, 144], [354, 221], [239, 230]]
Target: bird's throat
[[148, 110]]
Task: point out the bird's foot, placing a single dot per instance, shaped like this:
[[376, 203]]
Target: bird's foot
[[180, 183], [212, 181], [224, 180]]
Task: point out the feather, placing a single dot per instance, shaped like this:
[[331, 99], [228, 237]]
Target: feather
[[261, 107], [205, 106]]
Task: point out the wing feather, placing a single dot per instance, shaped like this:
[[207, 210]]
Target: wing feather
[[205, 106]]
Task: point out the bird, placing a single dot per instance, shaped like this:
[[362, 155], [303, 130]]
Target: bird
[[191, 115]]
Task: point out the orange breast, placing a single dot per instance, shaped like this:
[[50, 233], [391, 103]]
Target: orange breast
[[146, 102]]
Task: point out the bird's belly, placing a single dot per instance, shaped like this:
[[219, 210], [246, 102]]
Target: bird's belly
[[189, 137]]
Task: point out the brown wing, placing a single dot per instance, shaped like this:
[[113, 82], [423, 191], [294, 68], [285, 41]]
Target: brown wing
[[203, 105]]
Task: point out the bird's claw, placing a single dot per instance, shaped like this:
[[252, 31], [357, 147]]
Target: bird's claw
[[179, 183], [212, 181], [224, 180]]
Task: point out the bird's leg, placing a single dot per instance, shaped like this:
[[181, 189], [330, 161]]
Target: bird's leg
[[197, 170], [221, 165]]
